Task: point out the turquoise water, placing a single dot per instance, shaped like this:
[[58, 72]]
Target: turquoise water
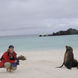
[[23, 43]]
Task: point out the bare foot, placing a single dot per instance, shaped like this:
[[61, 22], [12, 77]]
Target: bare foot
[[8, 70]]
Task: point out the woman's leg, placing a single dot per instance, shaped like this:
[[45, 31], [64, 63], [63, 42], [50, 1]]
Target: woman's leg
[[8, 65]]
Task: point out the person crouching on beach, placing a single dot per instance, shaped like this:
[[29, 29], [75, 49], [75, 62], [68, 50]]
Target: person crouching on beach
[[9, 59]]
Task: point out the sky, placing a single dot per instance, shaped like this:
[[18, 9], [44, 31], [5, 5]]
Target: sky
[[23, 17]]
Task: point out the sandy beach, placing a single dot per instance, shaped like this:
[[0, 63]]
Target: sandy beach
[[42, 65], [42, 31]]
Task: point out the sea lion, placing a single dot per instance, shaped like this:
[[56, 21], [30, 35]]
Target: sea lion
[[21, 57], [69, 60]]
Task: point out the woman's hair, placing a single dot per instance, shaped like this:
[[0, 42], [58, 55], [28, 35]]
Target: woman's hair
[[11, 46]]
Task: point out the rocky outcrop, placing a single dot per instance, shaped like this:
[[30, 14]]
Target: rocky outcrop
[[70, 31]]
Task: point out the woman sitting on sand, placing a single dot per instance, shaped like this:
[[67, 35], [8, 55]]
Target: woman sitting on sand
[[9, 59]]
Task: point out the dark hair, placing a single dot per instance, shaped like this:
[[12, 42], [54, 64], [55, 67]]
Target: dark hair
[[11, 46]]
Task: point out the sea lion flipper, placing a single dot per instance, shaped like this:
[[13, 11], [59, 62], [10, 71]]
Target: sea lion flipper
[[61, 66]]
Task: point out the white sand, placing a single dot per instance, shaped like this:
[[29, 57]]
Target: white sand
[[42, 65]]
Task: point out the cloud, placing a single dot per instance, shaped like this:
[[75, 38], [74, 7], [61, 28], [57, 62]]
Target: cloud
[[37, 16]]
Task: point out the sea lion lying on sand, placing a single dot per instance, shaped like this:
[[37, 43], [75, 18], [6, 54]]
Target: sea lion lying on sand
[[21, 57], [69, 60]]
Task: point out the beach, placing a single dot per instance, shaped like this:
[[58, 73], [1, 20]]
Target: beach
[[42, 64], [43, 31]]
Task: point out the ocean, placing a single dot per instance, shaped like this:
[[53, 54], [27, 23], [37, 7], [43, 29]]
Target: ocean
[[35, 43]]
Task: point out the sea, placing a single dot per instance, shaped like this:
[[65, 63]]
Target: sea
[[36, 43]]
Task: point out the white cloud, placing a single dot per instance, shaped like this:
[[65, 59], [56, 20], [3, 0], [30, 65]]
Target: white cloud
[[37, 16]]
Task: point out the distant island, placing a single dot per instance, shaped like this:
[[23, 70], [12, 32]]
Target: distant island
[[69, 31]]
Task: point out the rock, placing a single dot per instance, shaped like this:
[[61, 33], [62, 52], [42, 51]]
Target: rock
[[69, 31]]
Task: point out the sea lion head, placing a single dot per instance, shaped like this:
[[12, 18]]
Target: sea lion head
[[69, 48]]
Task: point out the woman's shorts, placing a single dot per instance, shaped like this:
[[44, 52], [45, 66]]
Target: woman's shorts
[[9, 66]]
